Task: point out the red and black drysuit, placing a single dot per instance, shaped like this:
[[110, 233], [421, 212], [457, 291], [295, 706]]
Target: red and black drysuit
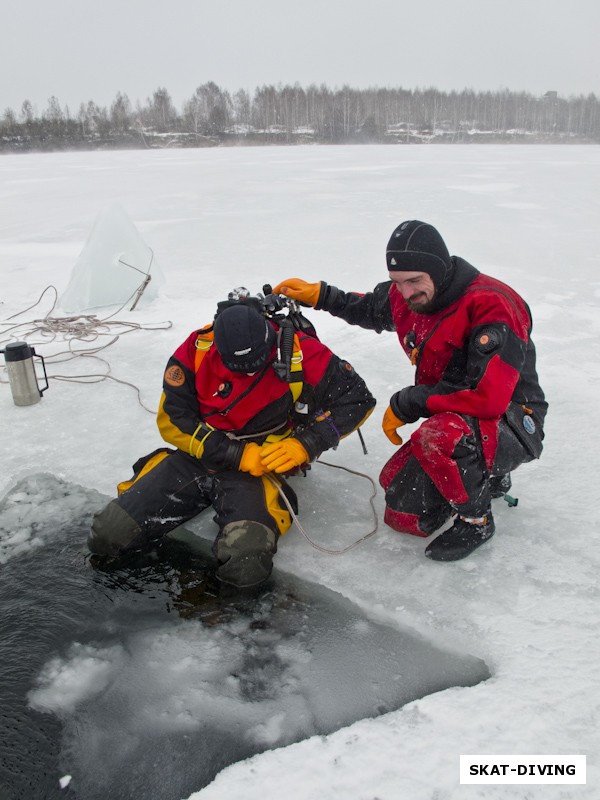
[[209, 413], [475, 383]]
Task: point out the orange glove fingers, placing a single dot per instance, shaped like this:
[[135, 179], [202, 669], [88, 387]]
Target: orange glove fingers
[[276, 459], [283, 456], [250, 460], [389, 424], [282, 464], [300, 290]]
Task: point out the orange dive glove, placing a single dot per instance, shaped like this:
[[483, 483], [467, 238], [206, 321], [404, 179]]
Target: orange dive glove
[[283, 456], [389, 424], [299, 290], [250, 461]]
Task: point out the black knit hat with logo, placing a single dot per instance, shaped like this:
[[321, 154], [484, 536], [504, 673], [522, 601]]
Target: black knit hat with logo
[[243, 338], [416, 246]]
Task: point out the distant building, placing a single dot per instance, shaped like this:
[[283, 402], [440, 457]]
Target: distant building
[[550, 96]]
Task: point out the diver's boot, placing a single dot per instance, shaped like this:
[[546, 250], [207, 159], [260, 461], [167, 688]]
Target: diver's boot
[[459, 541]]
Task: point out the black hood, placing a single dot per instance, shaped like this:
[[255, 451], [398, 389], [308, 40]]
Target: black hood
[[463, 274], [243, 338]]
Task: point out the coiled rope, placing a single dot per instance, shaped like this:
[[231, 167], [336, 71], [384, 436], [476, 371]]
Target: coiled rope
[[83, 328]]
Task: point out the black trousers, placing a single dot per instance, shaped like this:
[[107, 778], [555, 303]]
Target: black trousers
[[249, 513], [442, 470], [179, 488]]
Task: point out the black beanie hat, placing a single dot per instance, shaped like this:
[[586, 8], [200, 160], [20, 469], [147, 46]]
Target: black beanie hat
[[243, 338], [417, 247]]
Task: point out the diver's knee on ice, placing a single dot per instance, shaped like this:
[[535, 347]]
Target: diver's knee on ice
[[113, 530], [244, 550]]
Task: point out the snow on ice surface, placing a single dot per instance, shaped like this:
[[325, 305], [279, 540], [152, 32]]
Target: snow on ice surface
[[527, 602]]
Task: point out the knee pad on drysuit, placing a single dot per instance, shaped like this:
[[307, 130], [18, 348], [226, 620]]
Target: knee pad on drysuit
[[245, 551], [113, 530]]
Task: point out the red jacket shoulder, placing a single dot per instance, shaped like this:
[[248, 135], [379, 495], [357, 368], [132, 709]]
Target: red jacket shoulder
[[186, 352], [492, 301], [315, 358]]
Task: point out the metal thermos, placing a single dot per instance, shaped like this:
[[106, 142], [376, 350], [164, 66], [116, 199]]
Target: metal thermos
[[21, 373]]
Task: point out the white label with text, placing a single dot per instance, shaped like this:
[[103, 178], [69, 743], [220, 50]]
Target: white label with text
[[522, 769]]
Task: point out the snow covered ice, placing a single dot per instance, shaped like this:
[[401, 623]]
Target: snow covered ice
[[527, 602]]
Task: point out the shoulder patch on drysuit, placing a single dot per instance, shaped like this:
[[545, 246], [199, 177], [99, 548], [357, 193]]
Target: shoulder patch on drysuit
[[174, 376], [488, 339], [346, 369]]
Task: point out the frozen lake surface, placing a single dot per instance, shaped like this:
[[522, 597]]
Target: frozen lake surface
[[526, 603]]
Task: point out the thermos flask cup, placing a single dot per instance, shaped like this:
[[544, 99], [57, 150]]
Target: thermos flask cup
[[21, 373]]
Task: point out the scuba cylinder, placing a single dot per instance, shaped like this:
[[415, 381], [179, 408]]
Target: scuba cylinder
[[285, 349], [21, 373]]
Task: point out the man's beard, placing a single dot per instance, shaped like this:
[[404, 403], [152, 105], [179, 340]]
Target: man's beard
[[421, 306]]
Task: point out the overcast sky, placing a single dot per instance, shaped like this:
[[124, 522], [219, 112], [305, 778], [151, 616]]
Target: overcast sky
[[80, 50]]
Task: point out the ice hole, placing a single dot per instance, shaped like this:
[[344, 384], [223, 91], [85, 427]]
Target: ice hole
[[141, 680]]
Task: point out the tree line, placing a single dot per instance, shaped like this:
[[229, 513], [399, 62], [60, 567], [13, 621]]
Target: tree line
[[297, 114]]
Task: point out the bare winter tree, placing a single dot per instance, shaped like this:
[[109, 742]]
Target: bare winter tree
[[160, 111], [28, 113], [266, 112], [8, 122], [53, 117], [242, 109], [209, 111], [120, 113]]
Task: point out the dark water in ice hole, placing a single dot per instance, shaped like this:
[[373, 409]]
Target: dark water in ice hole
[[142, 682]]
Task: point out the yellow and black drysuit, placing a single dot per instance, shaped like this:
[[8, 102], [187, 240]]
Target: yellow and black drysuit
[[210, 413]]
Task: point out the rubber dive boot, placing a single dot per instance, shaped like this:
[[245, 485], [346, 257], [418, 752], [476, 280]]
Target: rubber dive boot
[[244, 551], [461, 539]]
